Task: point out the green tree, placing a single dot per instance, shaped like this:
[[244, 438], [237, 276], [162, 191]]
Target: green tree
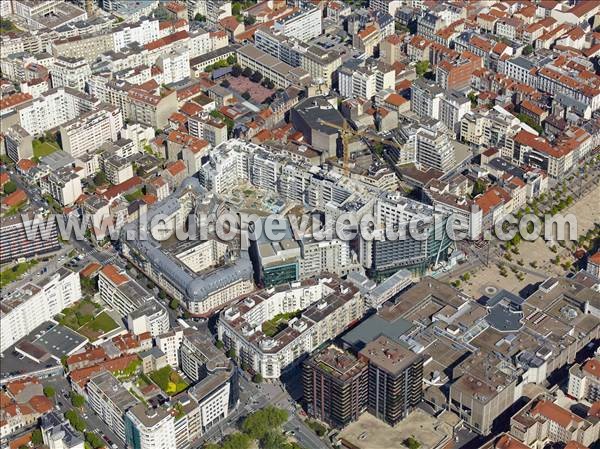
[[231, 59], [259, 423], [36, 437], [199, 18], [479, 187], [256, 77], [174, 304], [49, 391], [236, 9], [247, 72], [237, 441], [100, 178], [421, 68], [236, 70], [10, 187], [250, 20], [231, 353], [94, 440], [246, 95], [378, 149], [257, 378], [273, 440], [219, 344], [77, 400], [527, 50], [225, 84], [411, 443]]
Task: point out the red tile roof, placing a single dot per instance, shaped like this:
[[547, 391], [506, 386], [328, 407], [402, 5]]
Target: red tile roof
[[116, 190], [492, 198], [167, 40], [14, 100], [111, 272], [90, 270], [509, 442], [555, 413], [14, 199], [176, 167], [592, 367], [25, 165]]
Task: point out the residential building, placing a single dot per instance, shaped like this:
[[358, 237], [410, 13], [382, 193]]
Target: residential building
[[584, 381], [63, 184], [359, 79], [325, 307], [395, 379], [426, 98], [303, 25], [335, 385], [57, 433], [70, 72], [434, 148], [149, 428], [86, 133], [110, 400], [17, 242], [593, 265], [282, 74], [28, 307], [121, 292], [18, 143], [151, 317]]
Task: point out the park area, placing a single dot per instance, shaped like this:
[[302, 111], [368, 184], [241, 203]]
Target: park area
[[87, 318], [168, 380], [258, 92]]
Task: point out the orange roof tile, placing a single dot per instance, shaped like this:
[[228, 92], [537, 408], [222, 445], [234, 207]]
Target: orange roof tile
[[176, 167], [509, 442], [592, 366], [14, 100], [90, 270], [554, 413], [26, 164], [111, 272], [14, 199]]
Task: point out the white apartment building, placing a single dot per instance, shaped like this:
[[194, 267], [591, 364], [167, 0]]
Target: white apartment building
[[142, 32], [434, 147], [86, 133], [150, 428], [175, 65], [151, 317], [70, 72], [110, 400], [212, 395], [584, 381], [357, 80], [26, 308], [169, 343], [202, 42], [203, 255], [55, 107], [325, 307], [453, 107], [139, 134], [303, 25], [121, 292], [331, 256], [426, 99], [63, 185]]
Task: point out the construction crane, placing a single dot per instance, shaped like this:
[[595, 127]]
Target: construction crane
[[346, 132]]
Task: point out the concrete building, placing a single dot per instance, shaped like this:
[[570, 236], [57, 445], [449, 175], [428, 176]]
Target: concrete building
[[86, 133], [335, 385], [325, 306], [584, 381], [303, 25], [110, 400], [121, 292], [360, 79], [17, 243], [434, 148], [57, 433], [426, 98], [151, 317], [18, 143], [149, 428], [395, 379], [282, 74], [70, 72], [35, 303]]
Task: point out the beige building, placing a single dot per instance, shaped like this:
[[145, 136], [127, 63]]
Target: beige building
[[321, 64]]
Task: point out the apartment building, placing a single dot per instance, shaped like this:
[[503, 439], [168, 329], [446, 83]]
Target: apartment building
[[139, 134], [321, 64], [54, 108], [142, 32], [335, 385], [212, 130], [18, 143], [452, 108], [149, 109], [28, 307], [86, 133], [57, 433], [200, 358], [121, 292], [360, 79], [151, 317], [62, 184], [282, 74], [150, 428], [542, 420], [395, 379], [70, 72], [16, 242], [302, 25], [110, 400], [328, 306], [426, 98], [174, 65], [84, 47], [116, 168], [434, 147], [584, 381]]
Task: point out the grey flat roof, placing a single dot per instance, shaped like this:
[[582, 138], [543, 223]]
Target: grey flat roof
[[373, 327], [503, 319]]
